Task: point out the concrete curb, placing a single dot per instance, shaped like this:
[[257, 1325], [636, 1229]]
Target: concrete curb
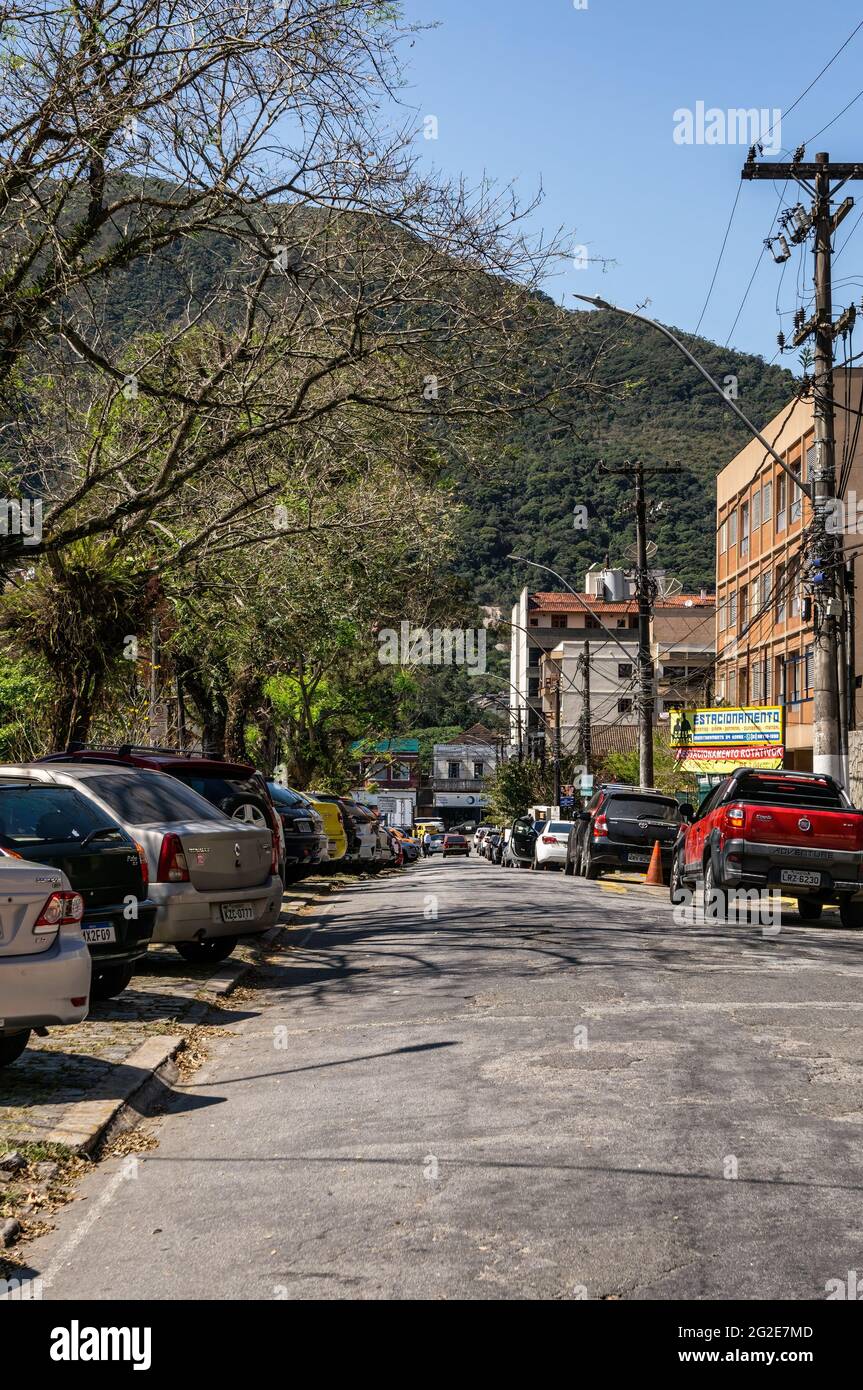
[[152, 1066]]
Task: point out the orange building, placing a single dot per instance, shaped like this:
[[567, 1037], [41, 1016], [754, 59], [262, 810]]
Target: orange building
[[764, 630]]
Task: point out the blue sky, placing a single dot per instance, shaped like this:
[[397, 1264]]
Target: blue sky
[[584, 100]]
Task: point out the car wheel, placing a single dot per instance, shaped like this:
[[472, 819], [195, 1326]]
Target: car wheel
[[110, 981], [851, 913], [676, 887], [809, 909], [12, 1045], [569, 867], [715, 900], [207, 952], [588, 868]]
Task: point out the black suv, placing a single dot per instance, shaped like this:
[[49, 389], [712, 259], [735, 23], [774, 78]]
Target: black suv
[[618, 829], [61, 827]]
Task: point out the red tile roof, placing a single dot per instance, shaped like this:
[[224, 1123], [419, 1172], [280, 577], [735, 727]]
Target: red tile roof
[[569, 603]]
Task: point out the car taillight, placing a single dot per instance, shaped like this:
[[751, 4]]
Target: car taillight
[[600, 827], [735, 816], [172, 861], [145, 865], [62, 909], [549, 840], [274, 854]]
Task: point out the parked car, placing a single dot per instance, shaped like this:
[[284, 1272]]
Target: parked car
[[793, 832], [436, 843], [455, 844], [362, 839], [213, 879], [550, 845], [304, 836], [410, 847], [479, 835], [334, 823], [618, 829], [60, 827], [490, 841], [500, 847], [44, 960], [522, 839], [236, 788]]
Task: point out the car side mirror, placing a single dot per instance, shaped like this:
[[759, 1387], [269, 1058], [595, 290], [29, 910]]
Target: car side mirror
[[584, 815], [687, 812]]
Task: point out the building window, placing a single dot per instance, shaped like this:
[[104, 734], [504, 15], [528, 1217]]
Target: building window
[[454, 770], [621, 622], [780, 594], [766, 501], [810, 461], [558, 620], [756, 508], [732, 687], [796, 495], [533, 687], [744, 605], [744, 529], [732, 610], [400, 772], [766, 585], [723, 538], [780, 503], [624, 706], [624, 669], [754, 608], [533, 622], [732, 529], [478, 770], [722, 610]]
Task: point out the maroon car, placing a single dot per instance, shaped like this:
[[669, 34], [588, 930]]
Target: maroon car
[[455, 844]]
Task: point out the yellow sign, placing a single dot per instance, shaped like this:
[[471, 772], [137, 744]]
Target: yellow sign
[[725, 737]]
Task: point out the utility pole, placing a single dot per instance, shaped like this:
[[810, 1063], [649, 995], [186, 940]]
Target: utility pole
[[645, 661], [557, 743], [825, 558], [585, 738]]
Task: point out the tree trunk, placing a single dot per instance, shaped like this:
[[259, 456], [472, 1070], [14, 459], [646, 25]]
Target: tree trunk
[[241, 701]]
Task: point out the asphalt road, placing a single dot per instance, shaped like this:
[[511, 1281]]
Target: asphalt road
[[545, 1090]]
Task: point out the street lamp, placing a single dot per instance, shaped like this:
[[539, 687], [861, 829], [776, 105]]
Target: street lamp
[[732, 405]]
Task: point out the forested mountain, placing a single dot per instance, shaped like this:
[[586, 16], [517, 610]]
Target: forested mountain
[[658, 409], [519, 496]]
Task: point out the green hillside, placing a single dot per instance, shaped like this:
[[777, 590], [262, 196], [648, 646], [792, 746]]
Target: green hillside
[[658, 410]]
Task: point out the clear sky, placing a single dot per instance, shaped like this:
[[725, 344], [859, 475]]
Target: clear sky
[[584, 100]]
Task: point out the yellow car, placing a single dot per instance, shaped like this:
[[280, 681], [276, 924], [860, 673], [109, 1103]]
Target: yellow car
[[337, 840]]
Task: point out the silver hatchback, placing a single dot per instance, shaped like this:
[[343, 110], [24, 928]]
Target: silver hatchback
[[44, 959], [212, 878]]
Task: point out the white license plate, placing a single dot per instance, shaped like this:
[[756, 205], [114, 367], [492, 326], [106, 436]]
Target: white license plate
[[97, 936], [238, 912], [638, 858], [303, 826], [802, 877]]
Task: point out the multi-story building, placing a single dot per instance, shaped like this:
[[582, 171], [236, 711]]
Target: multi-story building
[[459, 772], [764, 631], [553, 632], [388, 777]]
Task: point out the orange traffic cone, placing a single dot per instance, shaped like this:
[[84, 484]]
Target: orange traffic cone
[[654, 872]]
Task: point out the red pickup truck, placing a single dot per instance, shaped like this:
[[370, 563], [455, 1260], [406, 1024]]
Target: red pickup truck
[[790, 832]]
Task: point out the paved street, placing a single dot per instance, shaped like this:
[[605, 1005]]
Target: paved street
[[543, 1092]]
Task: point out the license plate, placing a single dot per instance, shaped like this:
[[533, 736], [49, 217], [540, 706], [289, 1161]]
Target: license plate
[[238, 912], [303, 826], [97, 936], [638, 858], [801, 877]]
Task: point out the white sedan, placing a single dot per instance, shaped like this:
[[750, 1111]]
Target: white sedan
[[551, 842]]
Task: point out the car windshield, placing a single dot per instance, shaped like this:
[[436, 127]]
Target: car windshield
[[790, 791], [456, 839], [643, 808], [148, 798], [435, 838], [558, 827], [49, 815]]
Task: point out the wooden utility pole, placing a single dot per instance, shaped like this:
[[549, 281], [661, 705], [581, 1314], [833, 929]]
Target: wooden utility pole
[[586, 749], [821, 180], [645, 660]]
